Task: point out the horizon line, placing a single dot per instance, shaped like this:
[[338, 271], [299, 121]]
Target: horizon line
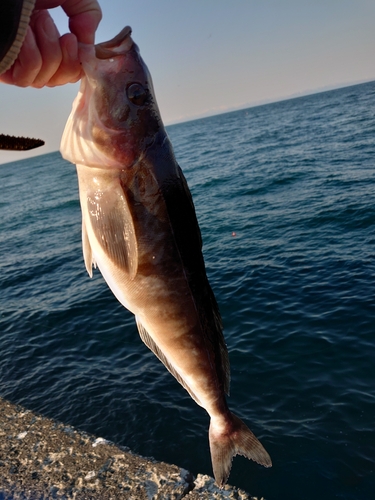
[[262, 102]]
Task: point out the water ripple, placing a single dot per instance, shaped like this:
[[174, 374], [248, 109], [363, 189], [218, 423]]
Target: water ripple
[[285, 198]]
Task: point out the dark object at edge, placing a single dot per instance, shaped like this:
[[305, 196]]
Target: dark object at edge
[[14, 21], [11, 143]]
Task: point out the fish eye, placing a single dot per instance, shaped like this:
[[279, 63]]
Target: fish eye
[[137, 94]]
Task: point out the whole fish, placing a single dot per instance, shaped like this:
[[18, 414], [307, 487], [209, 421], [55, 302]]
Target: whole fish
[[140, 228]]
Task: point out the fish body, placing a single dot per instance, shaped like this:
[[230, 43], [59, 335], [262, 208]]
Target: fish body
[[140, 228]]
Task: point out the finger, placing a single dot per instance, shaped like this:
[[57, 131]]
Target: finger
[[28, 64], [48, 4], [7, 77], [47, 39], [84, 18], [70, 70]]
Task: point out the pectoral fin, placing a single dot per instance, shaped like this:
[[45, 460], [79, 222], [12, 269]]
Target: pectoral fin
[[146, 338], [112, 224]]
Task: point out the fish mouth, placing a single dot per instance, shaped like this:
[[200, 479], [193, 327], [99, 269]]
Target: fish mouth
[[93, 56], [118, 45]]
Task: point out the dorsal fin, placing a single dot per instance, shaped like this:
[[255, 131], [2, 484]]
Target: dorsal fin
[[187, 235]]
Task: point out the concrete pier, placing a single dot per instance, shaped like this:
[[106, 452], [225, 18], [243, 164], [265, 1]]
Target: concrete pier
[[43, 459]]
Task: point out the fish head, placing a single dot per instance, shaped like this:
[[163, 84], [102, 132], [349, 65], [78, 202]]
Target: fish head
[[115, 117]]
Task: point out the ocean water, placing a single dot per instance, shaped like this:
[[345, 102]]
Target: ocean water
[[285, 197]]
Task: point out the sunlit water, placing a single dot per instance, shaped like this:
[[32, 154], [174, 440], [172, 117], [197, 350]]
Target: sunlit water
[[285, 196]]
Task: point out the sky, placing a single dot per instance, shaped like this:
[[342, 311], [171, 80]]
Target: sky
[[211, 56]]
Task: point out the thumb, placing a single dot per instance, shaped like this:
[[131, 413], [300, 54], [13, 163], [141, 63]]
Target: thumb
[[84, 18]]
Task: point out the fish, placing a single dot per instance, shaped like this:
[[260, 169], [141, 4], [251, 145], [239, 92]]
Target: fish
[[140, 228]]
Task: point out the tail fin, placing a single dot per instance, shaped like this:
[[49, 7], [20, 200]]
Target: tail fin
[[233, 439]]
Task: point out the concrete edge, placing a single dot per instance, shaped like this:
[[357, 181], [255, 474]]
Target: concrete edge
[[44, 459]]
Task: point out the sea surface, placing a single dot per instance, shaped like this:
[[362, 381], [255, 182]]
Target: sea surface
[[285, 197]]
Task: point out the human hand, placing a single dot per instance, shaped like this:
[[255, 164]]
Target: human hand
[[46, 58]]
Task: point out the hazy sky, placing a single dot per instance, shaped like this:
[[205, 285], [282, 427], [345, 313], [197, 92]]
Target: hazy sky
[[209, 56]]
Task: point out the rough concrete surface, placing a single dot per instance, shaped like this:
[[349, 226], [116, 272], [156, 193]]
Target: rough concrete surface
[[42, 459]]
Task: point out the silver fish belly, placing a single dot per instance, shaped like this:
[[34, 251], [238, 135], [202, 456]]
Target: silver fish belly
[[140, 228]]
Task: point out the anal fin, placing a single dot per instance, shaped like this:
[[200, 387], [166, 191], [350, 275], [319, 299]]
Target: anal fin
[[150, 343]]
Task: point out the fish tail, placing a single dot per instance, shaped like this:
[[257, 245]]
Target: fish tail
[[233, 438]]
